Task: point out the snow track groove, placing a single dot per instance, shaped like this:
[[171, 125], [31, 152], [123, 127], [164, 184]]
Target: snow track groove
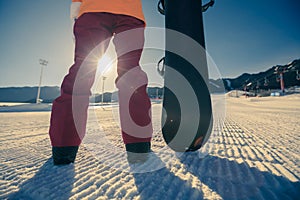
[[255, 156]]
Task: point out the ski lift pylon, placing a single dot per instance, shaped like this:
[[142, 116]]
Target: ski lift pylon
[[266, 83], [278, 78], [298, 75]]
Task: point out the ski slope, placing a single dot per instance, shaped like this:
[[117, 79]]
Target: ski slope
[[255, 156]]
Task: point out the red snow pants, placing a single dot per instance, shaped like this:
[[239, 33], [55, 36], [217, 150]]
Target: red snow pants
[[93, 32]]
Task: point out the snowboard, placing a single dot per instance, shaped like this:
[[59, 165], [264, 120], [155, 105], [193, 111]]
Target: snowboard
[[187, 112]]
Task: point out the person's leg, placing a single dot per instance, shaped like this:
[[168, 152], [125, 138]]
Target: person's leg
[[69, 110], [135, 105]]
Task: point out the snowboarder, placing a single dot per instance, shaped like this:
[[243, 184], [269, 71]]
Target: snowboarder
[[96, 22]]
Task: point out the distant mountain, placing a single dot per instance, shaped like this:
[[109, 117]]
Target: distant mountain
[[28, 94], [267, 79], [48, 94]]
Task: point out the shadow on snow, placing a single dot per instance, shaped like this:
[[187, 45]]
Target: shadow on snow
[[49, 182], [233, 180]]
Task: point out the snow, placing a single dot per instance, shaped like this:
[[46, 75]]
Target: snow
[[255, 156]]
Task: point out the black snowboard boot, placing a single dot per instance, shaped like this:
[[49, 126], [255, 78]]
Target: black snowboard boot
[[64, 155], [138, 152]]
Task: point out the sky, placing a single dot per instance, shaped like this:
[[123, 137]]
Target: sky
[[246, 36]]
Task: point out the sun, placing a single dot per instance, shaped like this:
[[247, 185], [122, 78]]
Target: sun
[[105, 63]]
